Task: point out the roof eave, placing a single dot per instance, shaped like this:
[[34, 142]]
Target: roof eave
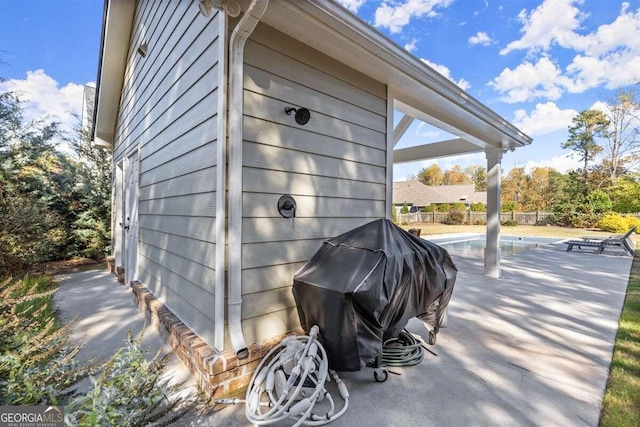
[[414, 83], [116, 30]]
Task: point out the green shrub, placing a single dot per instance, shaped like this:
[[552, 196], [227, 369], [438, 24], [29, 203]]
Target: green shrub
[[599, 201], [509, 206], [30, 232], [614, 223], [404, 209], [458, 207], [478, 207], [454, 218], [509, 223], [480, 222], [36, 362], [130, 391], [444, 207], [430, 208], [93, 235], [578, 216], [394, 214]]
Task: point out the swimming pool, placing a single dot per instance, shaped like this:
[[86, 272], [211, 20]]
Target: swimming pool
[[473, 245]]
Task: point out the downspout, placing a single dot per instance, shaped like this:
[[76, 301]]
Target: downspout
[[221, 189], [240, 34]]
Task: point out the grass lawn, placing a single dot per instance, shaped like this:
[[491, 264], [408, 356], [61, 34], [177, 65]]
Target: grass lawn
[[621, 406], [519, 230]]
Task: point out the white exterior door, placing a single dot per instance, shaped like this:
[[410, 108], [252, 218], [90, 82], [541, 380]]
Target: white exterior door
[[130, 220]]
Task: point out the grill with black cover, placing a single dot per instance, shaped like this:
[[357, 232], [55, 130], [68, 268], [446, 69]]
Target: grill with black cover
[[362, 287]]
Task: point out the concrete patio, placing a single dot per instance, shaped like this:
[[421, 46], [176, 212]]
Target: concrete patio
[[532, 348]]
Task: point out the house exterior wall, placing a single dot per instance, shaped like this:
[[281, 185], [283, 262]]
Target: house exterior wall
[[334, 167], [168, 111]]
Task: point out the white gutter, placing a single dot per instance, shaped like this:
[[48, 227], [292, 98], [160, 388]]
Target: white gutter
[[221, 188], [240, 34]]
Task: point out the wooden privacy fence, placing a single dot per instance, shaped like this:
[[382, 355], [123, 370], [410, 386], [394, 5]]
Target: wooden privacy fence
[[522, 218]]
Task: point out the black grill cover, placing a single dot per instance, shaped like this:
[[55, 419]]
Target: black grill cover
[[361, 288]]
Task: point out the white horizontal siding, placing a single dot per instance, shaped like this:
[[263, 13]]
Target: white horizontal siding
[[261, 230], [168, 111], [200, 251], [199, 322], [194, 277], [296, 94], [295, 138], [270, 109], [197, 228], [331, 71], [268, 325], [263, 205], [334, 166], [160, 73], [187, 205], [275, 253], [201, 158], [287, 160], [197, 136], [262, 279], [280, 182], [201, 181]]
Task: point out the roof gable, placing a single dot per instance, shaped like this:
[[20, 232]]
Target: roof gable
[[416, 193]]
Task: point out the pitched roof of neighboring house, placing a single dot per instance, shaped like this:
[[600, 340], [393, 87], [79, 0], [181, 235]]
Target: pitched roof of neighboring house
[[416, 193]]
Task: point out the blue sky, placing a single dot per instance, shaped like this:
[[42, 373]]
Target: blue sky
[[535, 62]]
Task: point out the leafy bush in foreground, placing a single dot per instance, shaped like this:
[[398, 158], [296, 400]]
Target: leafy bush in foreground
[[130, 391], [36, 362]]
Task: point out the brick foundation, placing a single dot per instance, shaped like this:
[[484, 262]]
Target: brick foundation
[[120, 274], [217, 374], [111, 264]]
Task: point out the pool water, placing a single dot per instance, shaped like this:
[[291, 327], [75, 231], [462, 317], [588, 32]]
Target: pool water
[[476, 247], [473, 244]]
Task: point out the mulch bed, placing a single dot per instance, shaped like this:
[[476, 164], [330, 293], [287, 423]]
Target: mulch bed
[[66, 266]]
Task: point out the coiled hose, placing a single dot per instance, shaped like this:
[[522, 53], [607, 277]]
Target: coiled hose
[[405, 350], [288, 383]]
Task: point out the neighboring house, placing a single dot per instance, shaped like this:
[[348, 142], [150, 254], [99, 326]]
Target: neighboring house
[[197, 107], [419, 195]]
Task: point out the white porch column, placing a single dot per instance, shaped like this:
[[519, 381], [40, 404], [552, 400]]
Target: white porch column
[[492, 247]]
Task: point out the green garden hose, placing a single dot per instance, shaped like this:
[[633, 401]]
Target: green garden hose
[[405, 350]]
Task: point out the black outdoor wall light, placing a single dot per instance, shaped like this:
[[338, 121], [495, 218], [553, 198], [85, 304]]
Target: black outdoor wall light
[[302, 115], [287, 206]]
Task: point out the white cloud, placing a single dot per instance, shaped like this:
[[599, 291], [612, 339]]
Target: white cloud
[[611, 70], [608, 56], [427, 131], [563, 163], [44, 98], [545, 118], [352, 5], [608, 38], [552, 21], [395, 15], [411, 46], [464, 85], [480, 38], [530, 81]]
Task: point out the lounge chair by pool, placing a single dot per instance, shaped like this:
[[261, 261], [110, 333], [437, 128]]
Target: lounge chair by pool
[[623, 242]]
